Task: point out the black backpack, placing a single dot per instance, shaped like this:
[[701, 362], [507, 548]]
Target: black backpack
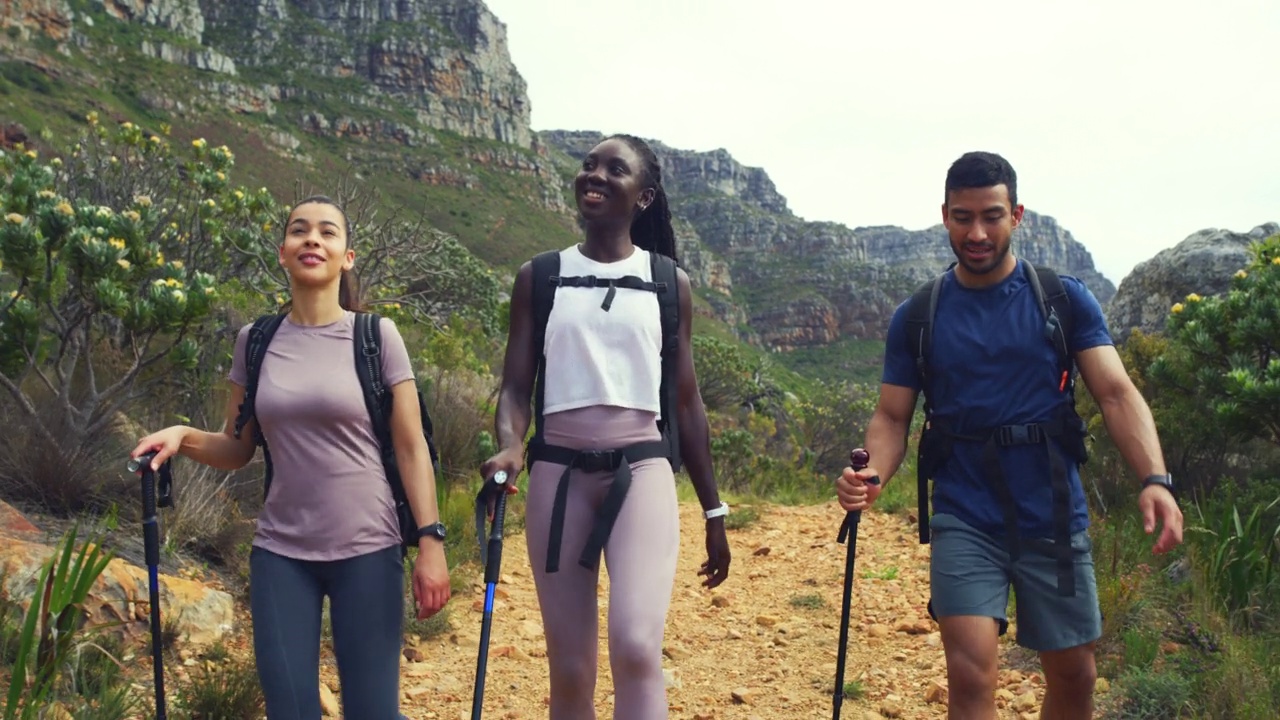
[[367, 346], [937, 439], [546, 278]]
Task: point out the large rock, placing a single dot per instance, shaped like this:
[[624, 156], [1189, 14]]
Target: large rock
[[1203, 263], [201, 614]]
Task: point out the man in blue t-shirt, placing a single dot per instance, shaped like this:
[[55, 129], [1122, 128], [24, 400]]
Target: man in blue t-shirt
[[990, 366]]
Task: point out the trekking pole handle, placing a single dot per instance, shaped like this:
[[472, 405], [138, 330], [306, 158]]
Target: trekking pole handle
[[493, 552], [859, 459], [150, 528], [499, 505], [142, 461]]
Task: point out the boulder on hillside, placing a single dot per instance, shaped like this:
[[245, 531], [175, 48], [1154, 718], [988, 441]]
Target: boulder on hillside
[[1203, 263], [201, 615]]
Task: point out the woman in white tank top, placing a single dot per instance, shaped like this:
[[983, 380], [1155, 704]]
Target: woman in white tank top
[[603, 447]]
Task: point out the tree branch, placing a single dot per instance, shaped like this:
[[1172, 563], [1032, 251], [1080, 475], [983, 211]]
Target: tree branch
[[28, 407]]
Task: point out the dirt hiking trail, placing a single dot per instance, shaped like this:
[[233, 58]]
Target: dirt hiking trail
[[762, 646]]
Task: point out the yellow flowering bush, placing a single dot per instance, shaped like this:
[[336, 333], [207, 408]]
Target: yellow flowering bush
[[122, 243]]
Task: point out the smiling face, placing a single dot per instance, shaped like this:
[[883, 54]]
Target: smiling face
[[611, 183], [980, 222], [315, 250]]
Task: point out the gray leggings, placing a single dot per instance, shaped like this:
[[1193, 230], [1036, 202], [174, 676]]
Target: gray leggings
[[640, 556], [366, 608]]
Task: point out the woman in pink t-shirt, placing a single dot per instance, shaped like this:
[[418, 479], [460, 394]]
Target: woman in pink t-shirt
[[328, 526]]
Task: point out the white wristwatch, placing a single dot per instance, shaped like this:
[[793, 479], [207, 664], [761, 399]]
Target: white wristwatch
[[717, 512]]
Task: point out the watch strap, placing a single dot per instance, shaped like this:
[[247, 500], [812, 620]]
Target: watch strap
[[717, 512]]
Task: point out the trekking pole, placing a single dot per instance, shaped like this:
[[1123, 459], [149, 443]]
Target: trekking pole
[[492, 559], [151, 536], [858, 460]]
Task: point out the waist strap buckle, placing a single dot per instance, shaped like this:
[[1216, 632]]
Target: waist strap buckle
[[598, 460], [1019, 435]]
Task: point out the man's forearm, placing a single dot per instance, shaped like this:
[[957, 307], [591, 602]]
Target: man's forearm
[[887, 444], [1133, 430]]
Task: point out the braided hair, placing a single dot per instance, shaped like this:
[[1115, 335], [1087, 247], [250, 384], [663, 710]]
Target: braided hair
[[651, 227]]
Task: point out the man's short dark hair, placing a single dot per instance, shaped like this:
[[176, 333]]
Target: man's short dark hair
[[979, 169]]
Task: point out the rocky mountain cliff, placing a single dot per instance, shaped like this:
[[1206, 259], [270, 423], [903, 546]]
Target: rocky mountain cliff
[[441, 64], [809, 283], [1203, 263], [421, 99]]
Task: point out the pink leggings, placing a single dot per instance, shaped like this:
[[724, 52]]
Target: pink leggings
[[640, 557]]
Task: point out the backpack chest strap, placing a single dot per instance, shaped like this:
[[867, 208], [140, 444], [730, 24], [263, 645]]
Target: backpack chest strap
[[627, 282]]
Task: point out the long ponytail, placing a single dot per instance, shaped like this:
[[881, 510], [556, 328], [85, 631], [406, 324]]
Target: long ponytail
[[651, 227], [349, 292]]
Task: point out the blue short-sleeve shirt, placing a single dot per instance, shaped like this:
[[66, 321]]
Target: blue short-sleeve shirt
[[992, 365]]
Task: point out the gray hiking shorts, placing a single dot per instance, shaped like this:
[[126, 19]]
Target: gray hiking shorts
[[970, 574]]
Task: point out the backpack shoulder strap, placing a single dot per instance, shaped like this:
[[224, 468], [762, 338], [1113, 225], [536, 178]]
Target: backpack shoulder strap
[[1055, 304], [546, 278], [921, 308], [367, 343], [667, 286], [260, 334]]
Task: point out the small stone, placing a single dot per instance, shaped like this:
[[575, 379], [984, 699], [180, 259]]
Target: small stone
[[761, 551], [936, 693], [329, 706], [742, 696], [878, 631], [675, 652]]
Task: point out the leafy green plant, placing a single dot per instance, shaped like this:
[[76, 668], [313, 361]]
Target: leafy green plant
[[105, 256], [228, 691], [888, 573], [853, 690], [1149, 694], [741, 517], [1240, 557], [810, 602], [53, 624], [1226, 349]]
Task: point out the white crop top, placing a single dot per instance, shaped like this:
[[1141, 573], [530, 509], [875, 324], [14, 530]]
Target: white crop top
[[597, 356]]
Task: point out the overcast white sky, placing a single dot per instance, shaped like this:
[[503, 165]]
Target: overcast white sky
[[1133, 122]]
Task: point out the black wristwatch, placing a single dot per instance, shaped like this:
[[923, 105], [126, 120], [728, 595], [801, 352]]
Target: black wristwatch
[[435, 530], [1165, 481]]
